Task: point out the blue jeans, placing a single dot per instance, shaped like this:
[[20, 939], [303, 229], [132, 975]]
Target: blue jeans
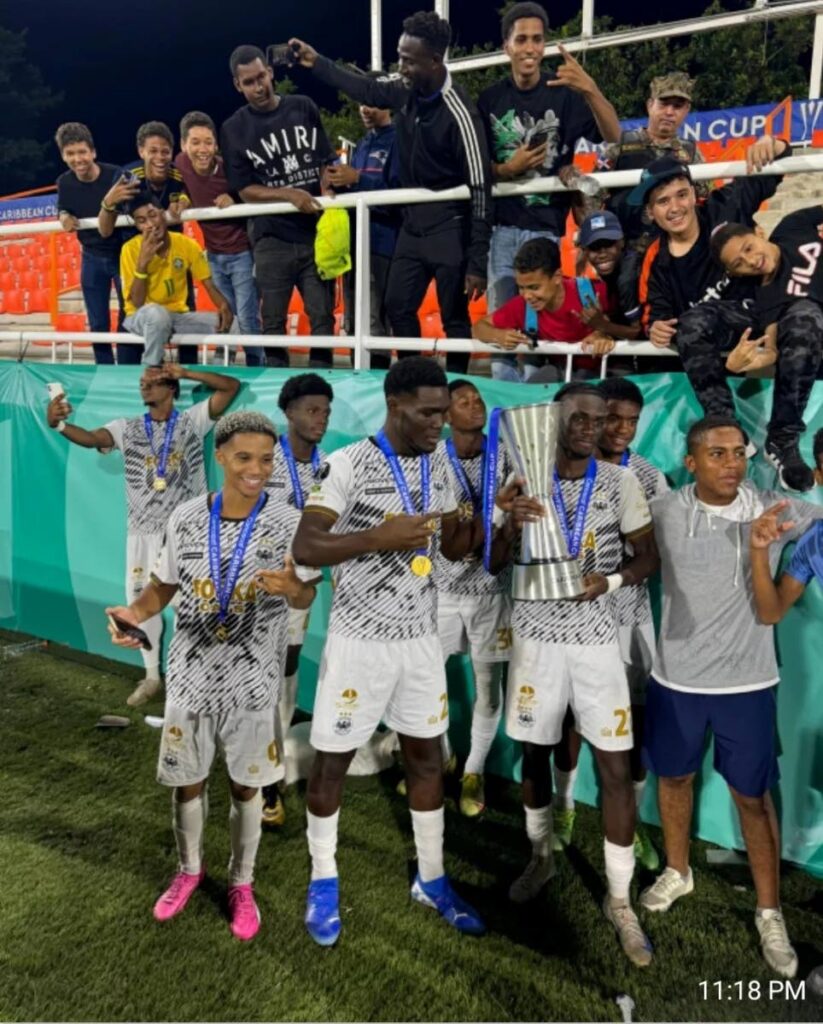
[[505, 243], [233, 276], [96, 276]]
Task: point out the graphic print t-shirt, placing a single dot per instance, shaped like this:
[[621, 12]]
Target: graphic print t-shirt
[[149, 510], [282, 148], [512, 117], [279, 484], [205, 674], [800, 274], [617, 509], [377, 596], [632, 606]]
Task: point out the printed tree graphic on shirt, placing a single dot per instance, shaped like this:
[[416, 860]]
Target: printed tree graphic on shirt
[[510, 132]]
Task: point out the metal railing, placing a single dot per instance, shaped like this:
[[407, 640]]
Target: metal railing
[[361, 343]]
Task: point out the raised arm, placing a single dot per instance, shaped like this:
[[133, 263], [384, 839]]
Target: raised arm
[[385, 95], [772, 600], [225, 388], [57, 412]]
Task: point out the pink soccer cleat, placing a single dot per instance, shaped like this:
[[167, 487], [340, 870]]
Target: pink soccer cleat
[[175, 898], [243, 912]]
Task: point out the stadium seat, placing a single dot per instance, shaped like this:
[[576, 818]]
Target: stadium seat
[[29, 279], [8, 280], [72, 322], [39, 300], [431, 326], [15, 301]]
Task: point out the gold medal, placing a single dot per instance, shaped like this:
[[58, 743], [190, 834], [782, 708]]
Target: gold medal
[[221, 633], [421, 565], [160, 483]]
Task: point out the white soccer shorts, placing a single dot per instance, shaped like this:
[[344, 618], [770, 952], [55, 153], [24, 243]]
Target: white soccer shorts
[[479, 625], [363, 682], [545, 679], [245, 738], [141, 554], [637, 645]]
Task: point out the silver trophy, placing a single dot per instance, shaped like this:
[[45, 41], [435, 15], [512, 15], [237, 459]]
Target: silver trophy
[[545, 571]]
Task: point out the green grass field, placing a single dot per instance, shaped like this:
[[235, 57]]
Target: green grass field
[[86, 846]]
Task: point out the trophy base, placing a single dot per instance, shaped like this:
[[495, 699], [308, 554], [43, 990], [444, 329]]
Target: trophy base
[[555, 580]]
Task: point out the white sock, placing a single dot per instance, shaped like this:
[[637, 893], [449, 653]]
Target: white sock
[[485, 716], [153, 628], [539, 830], [288, 701], [245, 830], [428, 829], [188, 820], [322, 836], [564, 789], [619, 870], [639, 790]]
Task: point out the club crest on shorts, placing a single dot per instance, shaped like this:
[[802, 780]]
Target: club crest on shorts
[[343, 724], [348, 698], [174, 734], [170, 762], [526, 703]]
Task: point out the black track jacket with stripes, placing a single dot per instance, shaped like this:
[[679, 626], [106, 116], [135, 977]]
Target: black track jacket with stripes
[[440, 144]]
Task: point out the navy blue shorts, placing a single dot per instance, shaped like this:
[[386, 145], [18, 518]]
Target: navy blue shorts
[[743, 724]]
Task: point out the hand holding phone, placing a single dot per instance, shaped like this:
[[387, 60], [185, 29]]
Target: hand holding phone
[[539, 139], [124, 633]]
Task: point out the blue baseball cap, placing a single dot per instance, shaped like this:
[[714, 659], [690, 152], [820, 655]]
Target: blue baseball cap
[[598, 226]]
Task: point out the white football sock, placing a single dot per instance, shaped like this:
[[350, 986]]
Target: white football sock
[[428, 829], [639, 790], [153, 628], [188, 820], [539, 830], [322, 836], [288, 701], [245, 831], [619, 870], [485, 716], [564, 789]]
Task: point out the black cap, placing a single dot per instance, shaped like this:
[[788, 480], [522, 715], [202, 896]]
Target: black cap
[[659, 171]]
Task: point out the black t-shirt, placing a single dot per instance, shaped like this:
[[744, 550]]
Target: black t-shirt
[[511, 116], [282, 148], [800, 274], [82, 199]]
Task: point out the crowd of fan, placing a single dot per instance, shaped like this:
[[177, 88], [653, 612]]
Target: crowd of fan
[[673, 261]]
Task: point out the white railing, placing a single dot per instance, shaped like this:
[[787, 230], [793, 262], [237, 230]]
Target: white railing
[[360, 343]]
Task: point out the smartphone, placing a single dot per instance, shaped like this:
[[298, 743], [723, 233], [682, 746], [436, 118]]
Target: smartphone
[[536, 141], [281, 55], [126, 629], [55, 391]]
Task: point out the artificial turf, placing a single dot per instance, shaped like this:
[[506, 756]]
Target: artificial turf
[[86, 847]]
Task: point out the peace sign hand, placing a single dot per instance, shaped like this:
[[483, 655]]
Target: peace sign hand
[[572, 74]]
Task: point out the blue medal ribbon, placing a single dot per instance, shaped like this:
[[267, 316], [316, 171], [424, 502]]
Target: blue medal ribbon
[[165, 450], [224, 593], [624, 458], [492, 456], [291, 462], [400, 481], [462, 476], [575, 537]]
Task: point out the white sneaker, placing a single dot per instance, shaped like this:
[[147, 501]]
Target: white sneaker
[[778, 952], [668, 887], [529, 884], [633, 939], [144, 691]]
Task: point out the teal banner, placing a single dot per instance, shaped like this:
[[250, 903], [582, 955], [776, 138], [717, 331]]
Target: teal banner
[[63, 544]]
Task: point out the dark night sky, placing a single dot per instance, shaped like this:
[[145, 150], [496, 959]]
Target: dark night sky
[[121, 64]]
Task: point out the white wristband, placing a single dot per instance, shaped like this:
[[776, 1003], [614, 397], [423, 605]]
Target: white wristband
[[60, 426], [498, 517], [615, 581]]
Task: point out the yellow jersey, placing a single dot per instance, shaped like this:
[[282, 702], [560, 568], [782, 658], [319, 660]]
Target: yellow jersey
[[167, 283]]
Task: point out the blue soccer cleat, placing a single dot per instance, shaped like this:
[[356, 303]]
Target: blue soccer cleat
[[439, 895], [323, 911]]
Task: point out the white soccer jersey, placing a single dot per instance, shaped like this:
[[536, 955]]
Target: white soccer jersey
[[468, 576], [205, 674], [632, 606], [149, 510], [617, 509], [377, 596], [279, 483]]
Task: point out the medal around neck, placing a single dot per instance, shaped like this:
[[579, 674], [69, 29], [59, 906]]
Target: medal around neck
[[546, 569]]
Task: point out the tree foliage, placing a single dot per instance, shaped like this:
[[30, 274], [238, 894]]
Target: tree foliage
[[25, 155]]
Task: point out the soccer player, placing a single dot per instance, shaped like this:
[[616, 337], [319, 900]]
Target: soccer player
[[633, 613], [566, 652], [305, 401], [715, 669], [788, 311], [379, 516], [163, 457], [473, 607], [226, 556]]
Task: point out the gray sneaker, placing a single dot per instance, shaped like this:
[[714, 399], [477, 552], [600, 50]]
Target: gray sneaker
[[778, 952], [536, 875], [633, 939], [667, 888], [143, 692]]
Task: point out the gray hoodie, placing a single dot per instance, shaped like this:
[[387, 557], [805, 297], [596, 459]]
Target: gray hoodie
[[710, 640]]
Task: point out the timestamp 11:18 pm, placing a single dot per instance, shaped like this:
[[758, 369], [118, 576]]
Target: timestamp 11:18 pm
[[753, 991]]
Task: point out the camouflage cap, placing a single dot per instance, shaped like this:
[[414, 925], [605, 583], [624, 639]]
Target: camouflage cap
[[677, 83]]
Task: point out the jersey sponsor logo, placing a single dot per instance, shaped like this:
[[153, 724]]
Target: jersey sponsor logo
[[195, 555], [379, 490]]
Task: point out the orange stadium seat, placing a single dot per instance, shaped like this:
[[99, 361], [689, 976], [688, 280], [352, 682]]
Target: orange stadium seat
[[72, 322]]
